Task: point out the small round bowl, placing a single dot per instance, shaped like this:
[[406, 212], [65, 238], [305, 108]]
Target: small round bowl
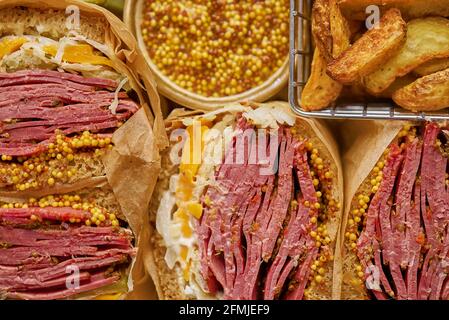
[[132, 16]]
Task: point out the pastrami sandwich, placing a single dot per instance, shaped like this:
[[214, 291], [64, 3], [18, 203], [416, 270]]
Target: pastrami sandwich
[[396, 238], [73, 129], [75, 246], [63, 93], [247, 206]]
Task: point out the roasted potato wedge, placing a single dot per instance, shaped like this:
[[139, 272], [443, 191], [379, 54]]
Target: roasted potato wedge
[[399, 83], [354, 93], [432, 66], [375, 47], [427, 39], [355, 9], [320, 90], [330, 29], [429, 93], [340, 30], [321, 28]]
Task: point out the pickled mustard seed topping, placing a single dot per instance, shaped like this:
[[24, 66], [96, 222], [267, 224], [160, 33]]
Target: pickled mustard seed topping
[[326, 206], [216, 48], [95, 215], [56, 164]]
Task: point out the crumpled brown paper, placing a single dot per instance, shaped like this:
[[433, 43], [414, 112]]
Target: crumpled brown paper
[[363, 143], [132, 166]]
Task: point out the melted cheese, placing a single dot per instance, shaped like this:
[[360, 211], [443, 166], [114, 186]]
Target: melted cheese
[[9, 45], [179, 236], [68, 53], [115, 296], [79, 53]]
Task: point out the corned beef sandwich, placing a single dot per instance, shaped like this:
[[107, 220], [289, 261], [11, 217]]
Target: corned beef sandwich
[[75, 246], [63, 93], [70, 97], [396, 239], [247, 206]]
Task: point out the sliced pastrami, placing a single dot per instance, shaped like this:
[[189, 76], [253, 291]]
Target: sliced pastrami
[[388, 251], [26, 150], [35, 104], [251, 235], [20, 284], [434, 185], [96, 281], [73, 236], [290, 252], [17, 256], [50, 76], [403, 220], [50, 213], [299, 280], [379, 213], [85, 263], [281, 201], [297, 241], [441, 273], [364, 244], [251, 229], [414, 235]]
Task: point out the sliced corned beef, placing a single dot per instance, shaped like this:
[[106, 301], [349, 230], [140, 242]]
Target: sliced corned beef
[[49, 76], [35, 261], [35, 104], [249, 237], [413, 239], [96, 281]]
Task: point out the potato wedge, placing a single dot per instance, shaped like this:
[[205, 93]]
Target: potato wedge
[[340, 30], [399, 83], [329, 28], [429, 93], [354, 93], [320, 90], [355, 9], [432, 66], [375, 47], [427, 39], [321, 28]]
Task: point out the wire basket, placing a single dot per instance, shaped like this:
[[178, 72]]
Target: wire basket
[[301, 53]]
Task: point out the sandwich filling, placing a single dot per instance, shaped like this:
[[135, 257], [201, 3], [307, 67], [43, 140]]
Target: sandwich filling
[[60, 103], [398, 229], [236, 230], [62, 246]]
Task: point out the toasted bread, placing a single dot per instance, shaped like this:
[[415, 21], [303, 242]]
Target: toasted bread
[[50, 23]]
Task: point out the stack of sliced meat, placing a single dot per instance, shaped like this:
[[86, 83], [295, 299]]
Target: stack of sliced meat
[[56, 260], [36, 103], [406, 239], [254, 234]]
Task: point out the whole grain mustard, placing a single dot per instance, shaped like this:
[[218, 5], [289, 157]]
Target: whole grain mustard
[[216, 48]]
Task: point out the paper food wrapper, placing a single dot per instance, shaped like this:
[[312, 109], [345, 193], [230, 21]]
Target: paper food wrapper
[[132, 166], [314, 127], [363, 143]]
